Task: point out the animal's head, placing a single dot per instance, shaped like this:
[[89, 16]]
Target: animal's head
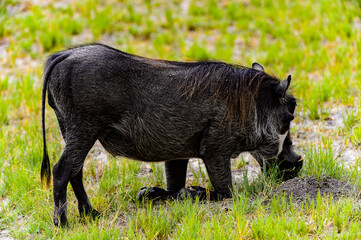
[[275, 111]]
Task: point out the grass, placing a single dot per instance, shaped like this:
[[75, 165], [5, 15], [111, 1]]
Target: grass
[[323, 161], [318, 42]]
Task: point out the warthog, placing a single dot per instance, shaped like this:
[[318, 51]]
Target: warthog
[[163, 111]]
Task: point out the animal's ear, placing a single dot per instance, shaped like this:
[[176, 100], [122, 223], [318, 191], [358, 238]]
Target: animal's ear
[[257, 66], [282, 87]]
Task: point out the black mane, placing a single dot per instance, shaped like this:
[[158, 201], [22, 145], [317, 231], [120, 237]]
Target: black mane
[[237, 84]]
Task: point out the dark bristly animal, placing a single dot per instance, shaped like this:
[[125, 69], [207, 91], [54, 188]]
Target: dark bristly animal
[[155, 110]]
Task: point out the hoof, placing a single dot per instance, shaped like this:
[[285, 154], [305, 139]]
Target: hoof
[[63, 223], [56, 222], [156, 193], [89, 216], [202, 194], [94, 214], [152, 193], [88, 211]]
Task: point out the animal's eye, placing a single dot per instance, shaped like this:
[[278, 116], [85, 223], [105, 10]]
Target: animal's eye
[[286, 119], [292, 106]]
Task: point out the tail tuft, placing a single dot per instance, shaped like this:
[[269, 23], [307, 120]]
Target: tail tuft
[[45, 170]]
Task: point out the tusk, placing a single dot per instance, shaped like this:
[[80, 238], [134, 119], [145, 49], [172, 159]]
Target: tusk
[[301, 159]]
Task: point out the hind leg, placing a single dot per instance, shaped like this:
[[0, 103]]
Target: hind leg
[[84, 205], [67, 169]]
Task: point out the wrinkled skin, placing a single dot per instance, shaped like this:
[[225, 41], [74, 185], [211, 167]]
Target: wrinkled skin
[[287, 164], [162, 111]]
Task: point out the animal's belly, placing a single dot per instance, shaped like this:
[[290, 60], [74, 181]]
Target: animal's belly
[[148, 147]]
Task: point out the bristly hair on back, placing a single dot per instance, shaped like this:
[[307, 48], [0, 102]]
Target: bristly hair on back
[[237, 84]]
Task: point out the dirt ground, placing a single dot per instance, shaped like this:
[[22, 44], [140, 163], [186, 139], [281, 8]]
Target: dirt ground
[[300, 188]]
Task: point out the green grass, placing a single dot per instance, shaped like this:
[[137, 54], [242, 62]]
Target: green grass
[[323, 161], [318, 42]]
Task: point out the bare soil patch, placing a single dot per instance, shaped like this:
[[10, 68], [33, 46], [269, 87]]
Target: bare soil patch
[[304, 187]]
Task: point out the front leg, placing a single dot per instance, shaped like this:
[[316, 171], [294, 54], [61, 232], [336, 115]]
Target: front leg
[[220, 175], [216, 150], [175, 173], [219, 172]]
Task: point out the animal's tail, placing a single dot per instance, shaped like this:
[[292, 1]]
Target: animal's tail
[[50, 64]]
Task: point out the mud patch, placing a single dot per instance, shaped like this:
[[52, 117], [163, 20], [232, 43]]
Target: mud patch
[[300, 188]]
